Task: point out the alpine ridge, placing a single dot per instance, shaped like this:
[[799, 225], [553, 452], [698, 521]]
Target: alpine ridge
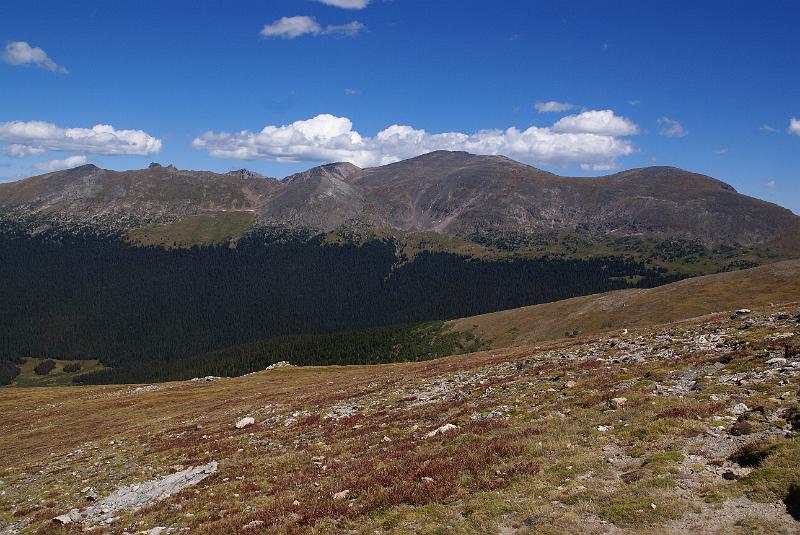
[[451, 193]]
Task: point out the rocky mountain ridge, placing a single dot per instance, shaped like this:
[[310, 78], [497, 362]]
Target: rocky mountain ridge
[[451, 193]]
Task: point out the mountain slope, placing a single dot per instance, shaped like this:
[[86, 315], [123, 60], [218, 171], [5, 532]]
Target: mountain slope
[[129, 199], [460, 193], [453, 193], [777, 283], [682, 429]]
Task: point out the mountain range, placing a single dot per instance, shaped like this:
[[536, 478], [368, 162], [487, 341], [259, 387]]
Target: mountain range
[[451, 193]]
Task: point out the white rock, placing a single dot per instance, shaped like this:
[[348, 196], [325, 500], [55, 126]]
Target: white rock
[[341, 495], [63, 520], [739, 408], [602, 428], [244, 422], [618, 403], [254, 524], [777, 361], [443, 429]]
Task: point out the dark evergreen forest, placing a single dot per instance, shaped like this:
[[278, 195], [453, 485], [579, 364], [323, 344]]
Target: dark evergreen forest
[[165, 311]]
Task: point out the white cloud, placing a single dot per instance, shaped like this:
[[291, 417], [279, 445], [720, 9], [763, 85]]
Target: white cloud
[[766, 128], [21, 151], [327, 138], [794, 126], [601, 122], [722, 151], [291, 27], [552, 106], [346, 4], [671, 128], [58, 165], [771, 184], [351, 29], [99, 139], [350, 92], [21, 53]]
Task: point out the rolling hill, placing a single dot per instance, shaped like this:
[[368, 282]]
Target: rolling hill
[[777, 283]]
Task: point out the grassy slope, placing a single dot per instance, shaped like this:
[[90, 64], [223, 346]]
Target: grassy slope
[[540, 465], [772, 283], [206, 229], [57, 377]]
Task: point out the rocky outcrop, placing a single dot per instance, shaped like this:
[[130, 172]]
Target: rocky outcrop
[[136, 496]]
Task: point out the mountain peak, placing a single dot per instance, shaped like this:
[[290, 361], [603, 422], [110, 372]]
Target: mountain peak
[[245, 174], [337, 170]]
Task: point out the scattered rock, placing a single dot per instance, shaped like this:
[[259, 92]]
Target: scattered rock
[[281, 364], [602, 428], [739, 408], [253, 524], [63, 520], [792, 417], [777, 361], [570, 384], [244, 422], [617, 403]]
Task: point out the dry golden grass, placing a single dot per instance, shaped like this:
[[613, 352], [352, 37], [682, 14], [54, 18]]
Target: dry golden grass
[[690, 298]]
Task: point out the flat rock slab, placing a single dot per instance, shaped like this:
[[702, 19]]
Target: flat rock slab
[[138, 495]]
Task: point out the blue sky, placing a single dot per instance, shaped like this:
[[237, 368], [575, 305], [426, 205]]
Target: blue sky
[[707, 86]]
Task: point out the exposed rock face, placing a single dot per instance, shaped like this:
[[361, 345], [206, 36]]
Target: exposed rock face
[[136, 496], [454, 193]]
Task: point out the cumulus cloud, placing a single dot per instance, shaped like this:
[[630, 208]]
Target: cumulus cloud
[[328, 138], [794, 126], [21, 151], [58, 165], [21, 53], [671, 128], [552, 106], [346, 4], [99, 139], [291, 27], [601, 122]]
